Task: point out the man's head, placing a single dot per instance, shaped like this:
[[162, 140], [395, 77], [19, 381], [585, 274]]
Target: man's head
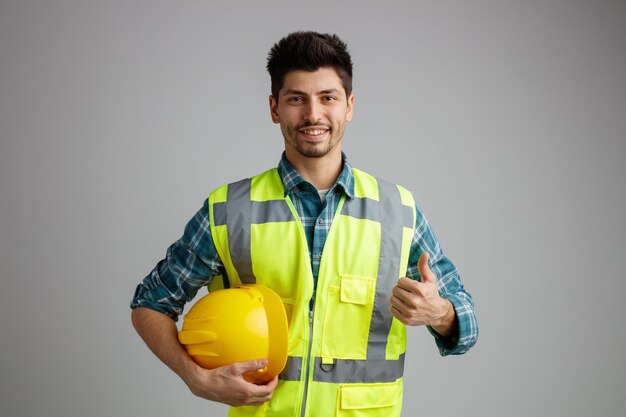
[[309, 51], [312, 96]]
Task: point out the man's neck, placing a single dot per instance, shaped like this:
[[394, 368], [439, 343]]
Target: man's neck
[[321, 172]]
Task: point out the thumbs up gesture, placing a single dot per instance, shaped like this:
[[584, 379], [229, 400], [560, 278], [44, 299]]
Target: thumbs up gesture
[[417, 303]]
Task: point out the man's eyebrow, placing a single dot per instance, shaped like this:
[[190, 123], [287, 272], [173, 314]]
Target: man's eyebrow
[[295, 92], [302, 93]]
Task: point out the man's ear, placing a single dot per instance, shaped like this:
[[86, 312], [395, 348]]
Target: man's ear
[[274, 110], [350, 108]]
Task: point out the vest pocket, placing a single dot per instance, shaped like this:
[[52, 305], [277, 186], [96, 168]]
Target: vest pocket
[[356, 290], [368, 400], [347, 318]]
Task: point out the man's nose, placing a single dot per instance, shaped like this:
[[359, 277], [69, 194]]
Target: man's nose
[[313, 112]]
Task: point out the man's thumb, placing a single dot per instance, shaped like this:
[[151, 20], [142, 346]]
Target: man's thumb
[[424, 270]]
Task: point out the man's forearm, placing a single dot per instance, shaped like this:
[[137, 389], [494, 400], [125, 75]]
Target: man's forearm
[[224, 384], [161, 335]]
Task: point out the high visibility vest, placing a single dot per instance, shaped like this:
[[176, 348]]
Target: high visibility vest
[[346, 358]]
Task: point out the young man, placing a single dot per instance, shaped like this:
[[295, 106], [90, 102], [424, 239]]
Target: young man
[[350, 289]]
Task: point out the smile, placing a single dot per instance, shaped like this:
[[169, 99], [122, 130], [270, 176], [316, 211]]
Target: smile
[[314, 132]]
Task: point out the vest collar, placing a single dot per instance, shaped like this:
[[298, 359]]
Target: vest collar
[[292, 179]]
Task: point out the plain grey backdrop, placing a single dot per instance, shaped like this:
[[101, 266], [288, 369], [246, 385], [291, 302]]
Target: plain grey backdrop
[[507, 119]]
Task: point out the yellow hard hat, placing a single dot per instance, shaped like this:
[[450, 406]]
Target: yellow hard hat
[[236, 325]]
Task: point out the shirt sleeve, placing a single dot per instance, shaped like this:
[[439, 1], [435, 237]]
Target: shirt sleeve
[[189, 264], [449, 285]]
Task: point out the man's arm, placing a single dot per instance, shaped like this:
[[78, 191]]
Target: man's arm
[[190, 264], [445, 306], [225, 384]]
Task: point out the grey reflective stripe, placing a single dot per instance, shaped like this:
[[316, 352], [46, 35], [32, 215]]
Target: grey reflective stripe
[[262, 212], [345, 371], [362, 208], [219, 214], [391, 219], [368, 209], [238, 212], [409, 217], [292, 370], [271, 211]]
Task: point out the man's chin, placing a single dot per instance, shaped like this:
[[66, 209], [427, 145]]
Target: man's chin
[[313, 152], [310, 149]]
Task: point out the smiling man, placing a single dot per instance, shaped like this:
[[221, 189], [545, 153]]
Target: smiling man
[[351, 255]]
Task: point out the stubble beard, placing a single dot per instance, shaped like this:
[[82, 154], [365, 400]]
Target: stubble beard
[[308, 150]]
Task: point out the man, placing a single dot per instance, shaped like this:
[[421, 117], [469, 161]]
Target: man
[[352, 257]]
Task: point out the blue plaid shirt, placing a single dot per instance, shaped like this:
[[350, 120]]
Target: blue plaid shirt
[[192, 261]]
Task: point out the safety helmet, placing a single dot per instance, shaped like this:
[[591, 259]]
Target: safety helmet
[[236, 325]]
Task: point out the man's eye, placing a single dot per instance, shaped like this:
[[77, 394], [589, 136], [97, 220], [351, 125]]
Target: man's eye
[[329, 98], [295, 99]]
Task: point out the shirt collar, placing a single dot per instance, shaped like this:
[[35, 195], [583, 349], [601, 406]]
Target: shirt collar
[[292, 179]]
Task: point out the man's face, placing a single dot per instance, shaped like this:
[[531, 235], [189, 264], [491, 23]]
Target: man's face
[[312, 110]]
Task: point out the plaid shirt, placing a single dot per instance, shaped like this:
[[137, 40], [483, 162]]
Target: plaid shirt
[[192, 261]]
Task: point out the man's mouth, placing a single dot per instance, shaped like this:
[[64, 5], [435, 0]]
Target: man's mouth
[[313, 131]]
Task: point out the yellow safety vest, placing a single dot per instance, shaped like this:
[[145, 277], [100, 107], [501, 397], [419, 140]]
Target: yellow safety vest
[[346, 358]]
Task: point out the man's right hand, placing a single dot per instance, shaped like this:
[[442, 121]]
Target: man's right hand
[[224, 384], [227, 385]]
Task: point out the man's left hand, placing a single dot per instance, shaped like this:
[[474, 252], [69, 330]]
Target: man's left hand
[[417, 303]]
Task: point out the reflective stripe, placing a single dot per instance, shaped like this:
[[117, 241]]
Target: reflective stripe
[[292, 370], [271, 211], [391, 218], [238, 212], [359, 371], [262, 212], [344, 371], [362, 208], [219, 214], [368, 209], [409, 217]]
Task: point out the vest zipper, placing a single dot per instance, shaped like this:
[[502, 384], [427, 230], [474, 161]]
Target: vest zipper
[[306, 363]]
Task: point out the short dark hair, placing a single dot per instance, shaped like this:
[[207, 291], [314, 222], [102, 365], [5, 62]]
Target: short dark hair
[[309, 51]]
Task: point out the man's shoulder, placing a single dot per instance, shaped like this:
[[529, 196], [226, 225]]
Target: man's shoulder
[[363, 178], [266, 179], [263, 174]]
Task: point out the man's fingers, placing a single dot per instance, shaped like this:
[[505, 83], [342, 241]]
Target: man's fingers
[[272, 384], [407, 284], [403, 315], [397, 302], [396, 313], [397, 310], [254, 365], [407, 289], [263, 393], [259, 394]]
